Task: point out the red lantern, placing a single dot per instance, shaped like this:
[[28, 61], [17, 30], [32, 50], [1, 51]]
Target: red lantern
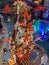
[[40, 8], [25, 14], [7, 10]]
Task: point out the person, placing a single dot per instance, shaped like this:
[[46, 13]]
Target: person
[[1, 17], [4, 53], [0, 23], [1, 20], [1, 27], [4, 50]]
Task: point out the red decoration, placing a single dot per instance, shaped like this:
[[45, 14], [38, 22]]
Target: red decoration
[[28, 17], [25, 56], [7, 10], [26, 37], [25, 14], [27, 48], [29, 24], [40, 8], [22, 24], [31, 29]]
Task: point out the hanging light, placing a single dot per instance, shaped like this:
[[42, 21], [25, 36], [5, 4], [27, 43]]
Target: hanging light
[[42, 33]]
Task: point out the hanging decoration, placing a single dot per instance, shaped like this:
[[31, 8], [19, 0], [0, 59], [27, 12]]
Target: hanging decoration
[[7, 10]]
